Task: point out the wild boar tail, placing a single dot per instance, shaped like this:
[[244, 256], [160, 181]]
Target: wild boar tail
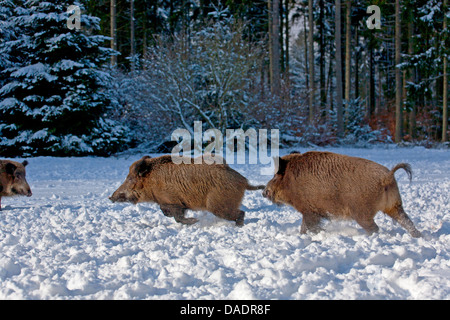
[[250, 187], [404, 166]]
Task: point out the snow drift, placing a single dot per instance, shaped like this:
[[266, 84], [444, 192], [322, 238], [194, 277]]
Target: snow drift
[[70, 242]]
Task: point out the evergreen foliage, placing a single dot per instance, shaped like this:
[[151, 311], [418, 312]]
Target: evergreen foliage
[[51, 83]]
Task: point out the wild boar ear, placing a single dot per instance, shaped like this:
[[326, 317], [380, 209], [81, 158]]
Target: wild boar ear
[[142, 167], [25, 163], [10, 168], [282, 164]]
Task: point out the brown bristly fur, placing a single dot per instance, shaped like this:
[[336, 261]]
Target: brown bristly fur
[[216, 188], [326, 184], [12, 179]]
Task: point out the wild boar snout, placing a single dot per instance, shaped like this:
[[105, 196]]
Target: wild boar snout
[[25, 191], [273, 193], [20, 185], [118, 197], [130, 190], [269, 192], [121, 196]]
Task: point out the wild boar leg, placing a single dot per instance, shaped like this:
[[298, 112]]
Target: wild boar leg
[[367, 223], [310, 222], [240, 219], [398, 214], [176, 211], [179, 217], [230, 215], [169, 209], [226, 209]]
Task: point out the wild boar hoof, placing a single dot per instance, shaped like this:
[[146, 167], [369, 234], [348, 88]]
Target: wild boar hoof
[[240, 219], [416, 234], [187, 221]]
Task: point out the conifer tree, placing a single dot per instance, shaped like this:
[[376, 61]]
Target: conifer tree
[[51, 98]]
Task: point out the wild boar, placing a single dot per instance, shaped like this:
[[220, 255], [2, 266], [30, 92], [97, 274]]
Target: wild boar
[[325, 184], [12, 179], [178, 187]]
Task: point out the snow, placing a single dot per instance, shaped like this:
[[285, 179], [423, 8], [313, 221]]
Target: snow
[[35, 72], [69, 241]]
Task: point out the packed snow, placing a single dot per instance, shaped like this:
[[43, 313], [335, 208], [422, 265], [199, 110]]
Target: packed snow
[[69, 241]]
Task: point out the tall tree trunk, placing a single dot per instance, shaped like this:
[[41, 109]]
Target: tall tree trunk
[[286, 32], [305, 38], [338, 65], [357, 55], [113, 18], [347, 56], [321, 25], [445, 85], [379, 105], [412, 112], [274, 43], [404, 94], [172, 17], [398, 80], [282, 53], [371, 109], [329, 89], [270, 46], [144, 39], [312, 109], [132, 42]]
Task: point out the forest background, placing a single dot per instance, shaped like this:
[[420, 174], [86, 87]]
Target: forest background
[[136, 70]]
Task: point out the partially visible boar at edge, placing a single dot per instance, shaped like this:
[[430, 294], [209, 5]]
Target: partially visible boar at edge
[[325, 184], [12, 179], [178, 187]]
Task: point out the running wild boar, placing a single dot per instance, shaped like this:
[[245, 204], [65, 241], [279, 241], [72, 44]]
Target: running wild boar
[[12, 179], [324, 184], [177, 187]]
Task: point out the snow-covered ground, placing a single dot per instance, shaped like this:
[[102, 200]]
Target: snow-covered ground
[[69, 241]]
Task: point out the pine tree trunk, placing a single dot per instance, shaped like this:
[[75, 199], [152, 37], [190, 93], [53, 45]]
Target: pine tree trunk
[[144, 38], [398, 81], [321, 25], [338, 66], [113, 19], [132, 44], [357, 55], [305, 39], [270, 47], [274, 43], [412, 112], [445, 86], [287, 31], [312, 109], [445, 104], [371, 109], [347, 56], [282, 52]]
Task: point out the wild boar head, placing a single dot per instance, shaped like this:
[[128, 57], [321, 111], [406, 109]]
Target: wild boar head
[[15, 179], [275, 187], [132, 189]]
